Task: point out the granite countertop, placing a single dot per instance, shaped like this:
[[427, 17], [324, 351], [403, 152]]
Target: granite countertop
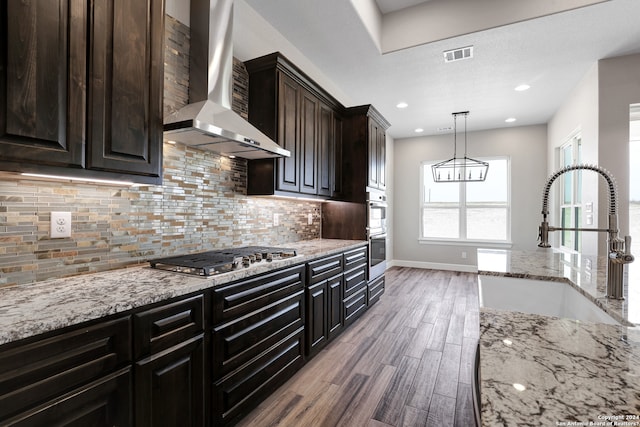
[[538, 370], [31, 309]]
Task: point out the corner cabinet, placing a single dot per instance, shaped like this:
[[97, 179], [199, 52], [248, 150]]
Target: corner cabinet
[[296, 113], [81, 88], [364, 152]]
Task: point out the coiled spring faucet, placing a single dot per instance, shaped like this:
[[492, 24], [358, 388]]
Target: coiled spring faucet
[[619, 250]]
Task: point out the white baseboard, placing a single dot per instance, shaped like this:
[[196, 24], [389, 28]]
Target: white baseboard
[[433, 265]]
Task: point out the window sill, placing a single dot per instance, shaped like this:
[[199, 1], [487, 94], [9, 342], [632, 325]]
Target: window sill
[[473, 243]]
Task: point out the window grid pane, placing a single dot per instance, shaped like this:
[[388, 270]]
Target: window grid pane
[[467, 211]]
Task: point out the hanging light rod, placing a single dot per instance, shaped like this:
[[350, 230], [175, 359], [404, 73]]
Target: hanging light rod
[[460, 169]]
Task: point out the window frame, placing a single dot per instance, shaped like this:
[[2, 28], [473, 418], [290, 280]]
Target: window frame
[[461, 207], [576, 204]]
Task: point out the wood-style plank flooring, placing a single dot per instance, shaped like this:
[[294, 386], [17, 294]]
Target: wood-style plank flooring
[[406, 362]]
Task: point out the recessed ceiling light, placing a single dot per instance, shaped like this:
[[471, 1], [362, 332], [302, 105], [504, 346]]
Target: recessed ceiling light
[[522, 87], [510, 120], [519, 387], [402, 105], [419, 130]]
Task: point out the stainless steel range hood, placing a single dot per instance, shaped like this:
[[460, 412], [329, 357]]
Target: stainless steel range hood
[[208, 122]]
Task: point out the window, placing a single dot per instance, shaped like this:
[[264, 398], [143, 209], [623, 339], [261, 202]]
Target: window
[[472, 211], [571, 198]]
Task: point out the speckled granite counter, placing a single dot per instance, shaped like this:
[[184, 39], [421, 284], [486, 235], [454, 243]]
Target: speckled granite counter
[[544, 371], [586, 274], [36, 308]]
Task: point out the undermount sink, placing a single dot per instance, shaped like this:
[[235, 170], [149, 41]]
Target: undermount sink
[[548, 298]]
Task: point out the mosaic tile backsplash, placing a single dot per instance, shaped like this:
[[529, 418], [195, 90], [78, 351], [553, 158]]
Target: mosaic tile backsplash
[[201, 205]]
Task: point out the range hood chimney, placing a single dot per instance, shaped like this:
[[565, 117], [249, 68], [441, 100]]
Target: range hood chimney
[[208, 122]]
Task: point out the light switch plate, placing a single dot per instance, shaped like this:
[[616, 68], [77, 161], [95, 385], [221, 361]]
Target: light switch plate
[[60, 225], [276, 220]]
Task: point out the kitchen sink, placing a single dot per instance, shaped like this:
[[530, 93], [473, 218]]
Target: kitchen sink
[[548, 298]]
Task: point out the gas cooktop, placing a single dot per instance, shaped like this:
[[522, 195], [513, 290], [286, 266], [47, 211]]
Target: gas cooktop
[[221, 260]]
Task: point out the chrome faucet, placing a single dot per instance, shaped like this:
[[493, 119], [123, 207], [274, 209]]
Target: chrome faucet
[[619, 249]]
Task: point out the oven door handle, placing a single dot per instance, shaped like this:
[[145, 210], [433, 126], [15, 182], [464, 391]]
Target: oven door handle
[[378, 236], [378, 204]]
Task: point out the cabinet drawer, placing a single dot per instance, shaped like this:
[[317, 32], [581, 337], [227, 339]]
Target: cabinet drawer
[[355, 305], [237, 299], [170, 324], [105, 402], [355, 257], [355, 280], [324, 268], [375, 290], [237, 394], [238, 341], [37, 372]]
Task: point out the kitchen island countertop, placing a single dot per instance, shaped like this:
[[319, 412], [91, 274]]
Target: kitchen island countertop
[[31, 309], [538, 370]]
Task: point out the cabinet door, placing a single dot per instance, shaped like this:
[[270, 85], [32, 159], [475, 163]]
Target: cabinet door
[[170, 386], [373, 153], [126, 84], [338, 157], [288, 131], [42, 82], [317, 326], [308, 143], [335, 294], [326, 150], [382, 152]]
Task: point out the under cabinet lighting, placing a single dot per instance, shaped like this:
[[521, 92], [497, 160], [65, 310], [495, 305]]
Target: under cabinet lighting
[[419, 130], [86, 180], [402, 105], [510, 120], [522, 87]]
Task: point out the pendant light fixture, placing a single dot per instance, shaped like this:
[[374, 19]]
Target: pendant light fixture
[[460, 169]]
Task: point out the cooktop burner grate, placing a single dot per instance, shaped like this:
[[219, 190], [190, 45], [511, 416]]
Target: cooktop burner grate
[[221, 260]]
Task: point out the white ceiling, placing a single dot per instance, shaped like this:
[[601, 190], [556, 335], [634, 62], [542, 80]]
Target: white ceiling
[[552, 54]]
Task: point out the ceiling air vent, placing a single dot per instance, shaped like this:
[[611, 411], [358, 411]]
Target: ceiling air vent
[[458, 54]]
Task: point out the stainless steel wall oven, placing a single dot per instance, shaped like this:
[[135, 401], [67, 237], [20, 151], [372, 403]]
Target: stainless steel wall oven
[[377, 233]]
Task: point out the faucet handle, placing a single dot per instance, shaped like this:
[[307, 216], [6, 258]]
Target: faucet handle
[[627, 245]]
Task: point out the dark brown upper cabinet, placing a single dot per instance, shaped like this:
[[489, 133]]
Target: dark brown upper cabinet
[[81, 86], [301, 117], [364, 151]]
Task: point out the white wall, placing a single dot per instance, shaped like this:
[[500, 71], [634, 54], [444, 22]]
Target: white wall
[[600, 107], [619, 87], [526, 146], [253, 37], [579, 112]]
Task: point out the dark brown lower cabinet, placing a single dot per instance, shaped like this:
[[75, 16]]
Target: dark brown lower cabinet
[[261, 345], [77, 377], [170, 386], [335, 291], [375, 289], [170, 372], [200, 360], [104, 402], [324, 313], [355, 293]]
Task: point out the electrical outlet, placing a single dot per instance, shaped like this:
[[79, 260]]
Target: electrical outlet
[[60, 224], [276, 220], [310, 218]]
